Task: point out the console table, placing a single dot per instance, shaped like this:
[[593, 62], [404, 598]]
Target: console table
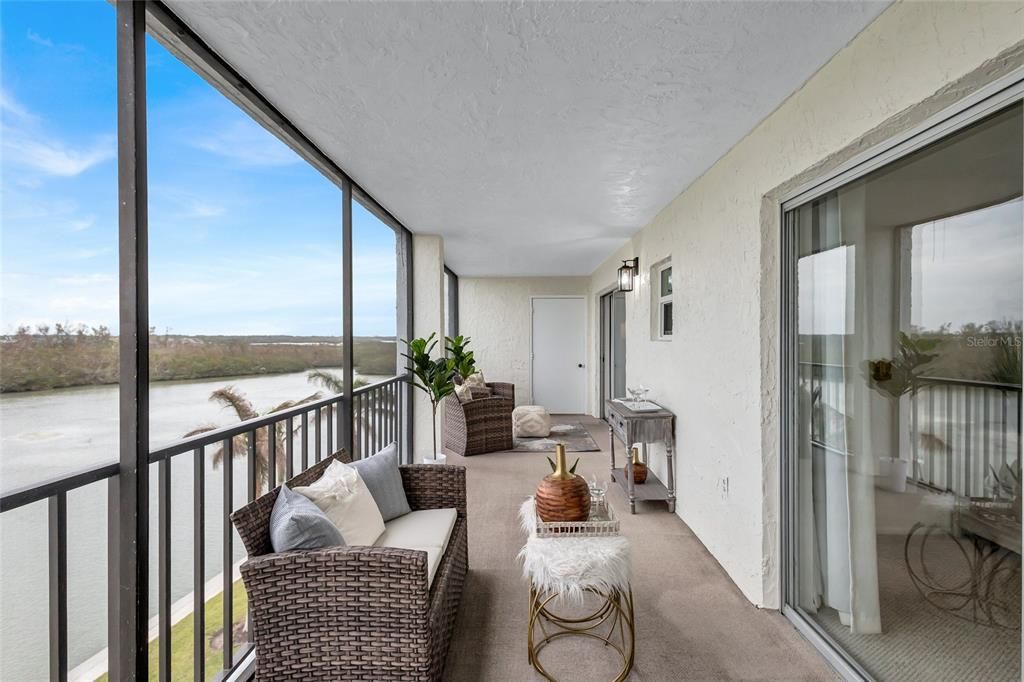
[[644, 427]]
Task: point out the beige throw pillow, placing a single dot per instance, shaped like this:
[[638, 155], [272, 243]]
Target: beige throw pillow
[[343, 496], [464, 393], [475, 381]]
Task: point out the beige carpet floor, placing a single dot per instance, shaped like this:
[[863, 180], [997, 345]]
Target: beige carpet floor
[[692, 621]]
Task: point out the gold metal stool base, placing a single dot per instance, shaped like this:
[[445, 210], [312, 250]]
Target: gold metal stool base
[[614, 614]]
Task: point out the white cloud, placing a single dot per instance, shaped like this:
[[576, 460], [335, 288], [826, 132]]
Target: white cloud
[[26, 147], [86, 280], [248, 144], [81, 254], [202, 209], [10, 105], [34, 298], [82, 223], [53, 157], [38, 39]]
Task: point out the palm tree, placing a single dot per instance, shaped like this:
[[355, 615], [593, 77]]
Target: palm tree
[[243, 407], [334, 383], [331, 382]]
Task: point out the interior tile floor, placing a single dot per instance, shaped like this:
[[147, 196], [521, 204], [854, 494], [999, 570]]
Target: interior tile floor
[[692, 621]]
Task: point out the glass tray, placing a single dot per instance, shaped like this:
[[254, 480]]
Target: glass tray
[[641, 406], [602, 523]]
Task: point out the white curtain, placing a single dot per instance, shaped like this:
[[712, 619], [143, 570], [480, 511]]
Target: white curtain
[[838, 556]]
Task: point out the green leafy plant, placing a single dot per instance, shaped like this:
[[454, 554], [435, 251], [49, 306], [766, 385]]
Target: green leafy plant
[[899, 375], [435, 377], [465, 364], [572, 469]]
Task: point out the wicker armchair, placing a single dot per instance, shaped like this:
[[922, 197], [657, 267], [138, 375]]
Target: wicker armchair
[[481, 425], [355, 613]]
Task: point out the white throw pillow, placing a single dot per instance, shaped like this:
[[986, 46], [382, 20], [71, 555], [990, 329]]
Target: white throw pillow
[[475, 381], [464, 393], [343, 496]]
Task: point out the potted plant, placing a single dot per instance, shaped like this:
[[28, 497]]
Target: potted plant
[[435, 377], [465, 365], [893, 378]]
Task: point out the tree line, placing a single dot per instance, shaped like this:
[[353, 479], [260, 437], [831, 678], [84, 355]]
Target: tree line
[[63, 355]]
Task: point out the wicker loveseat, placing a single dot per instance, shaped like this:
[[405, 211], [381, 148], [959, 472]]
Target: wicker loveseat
[[481, 425], [355, 613]]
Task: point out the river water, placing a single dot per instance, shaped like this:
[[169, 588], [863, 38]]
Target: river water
[[48, 433]]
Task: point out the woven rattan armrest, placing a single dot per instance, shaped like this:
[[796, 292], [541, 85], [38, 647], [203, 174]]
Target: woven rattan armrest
[[353, 577], [435, 486], [502, 390]]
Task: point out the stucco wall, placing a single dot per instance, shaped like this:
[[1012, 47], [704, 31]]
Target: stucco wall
[[720, 372], [428, 317], [495, 312]]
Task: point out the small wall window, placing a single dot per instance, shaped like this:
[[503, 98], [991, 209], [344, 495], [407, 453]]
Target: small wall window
[[661, 288]]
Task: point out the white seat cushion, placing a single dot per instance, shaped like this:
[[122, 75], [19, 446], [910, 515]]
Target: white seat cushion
[[427, 530]]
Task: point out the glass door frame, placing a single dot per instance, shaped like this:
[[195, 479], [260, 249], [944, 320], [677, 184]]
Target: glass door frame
[[606, 348], [997, 95]]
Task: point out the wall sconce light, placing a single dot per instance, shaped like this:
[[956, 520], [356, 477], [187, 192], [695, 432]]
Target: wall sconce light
[[627, 272]]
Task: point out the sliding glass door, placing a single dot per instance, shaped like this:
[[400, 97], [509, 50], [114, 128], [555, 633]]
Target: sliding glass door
[[613, 347], [904, 292]]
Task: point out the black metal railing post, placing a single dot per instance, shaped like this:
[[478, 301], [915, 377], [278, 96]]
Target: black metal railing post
[[272, 456], [228, 463], [318, 436], [304, 421], [58, 570], [199, 565], [164, 566]]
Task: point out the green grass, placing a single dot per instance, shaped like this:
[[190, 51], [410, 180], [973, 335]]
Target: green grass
[[181, 638]]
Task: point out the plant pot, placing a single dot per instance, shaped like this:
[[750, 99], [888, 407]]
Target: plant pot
[[562, 496]]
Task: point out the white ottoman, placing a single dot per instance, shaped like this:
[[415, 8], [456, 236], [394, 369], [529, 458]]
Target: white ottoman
[[530, 421]]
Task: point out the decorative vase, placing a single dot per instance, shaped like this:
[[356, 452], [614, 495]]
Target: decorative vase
[[562, 496], [639, 468]]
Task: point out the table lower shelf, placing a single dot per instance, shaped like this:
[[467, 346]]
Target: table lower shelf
[[652, 490]]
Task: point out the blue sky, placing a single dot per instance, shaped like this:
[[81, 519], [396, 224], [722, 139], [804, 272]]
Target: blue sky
[[245, 237]]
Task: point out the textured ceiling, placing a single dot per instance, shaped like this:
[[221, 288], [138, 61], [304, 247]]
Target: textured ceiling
[[535, 137]]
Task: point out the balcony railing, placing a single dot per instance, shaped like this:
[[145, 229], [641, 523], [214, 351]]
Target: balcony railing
[[958, 431], [963, 433], [274, 447]]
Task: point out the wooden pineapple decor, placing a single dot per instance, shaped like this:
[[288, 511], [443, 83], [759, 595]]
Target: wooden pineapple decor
[[562, 496]]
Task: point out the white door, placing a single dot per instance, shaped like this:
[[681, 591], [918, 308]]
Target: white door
[[559, 354]]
